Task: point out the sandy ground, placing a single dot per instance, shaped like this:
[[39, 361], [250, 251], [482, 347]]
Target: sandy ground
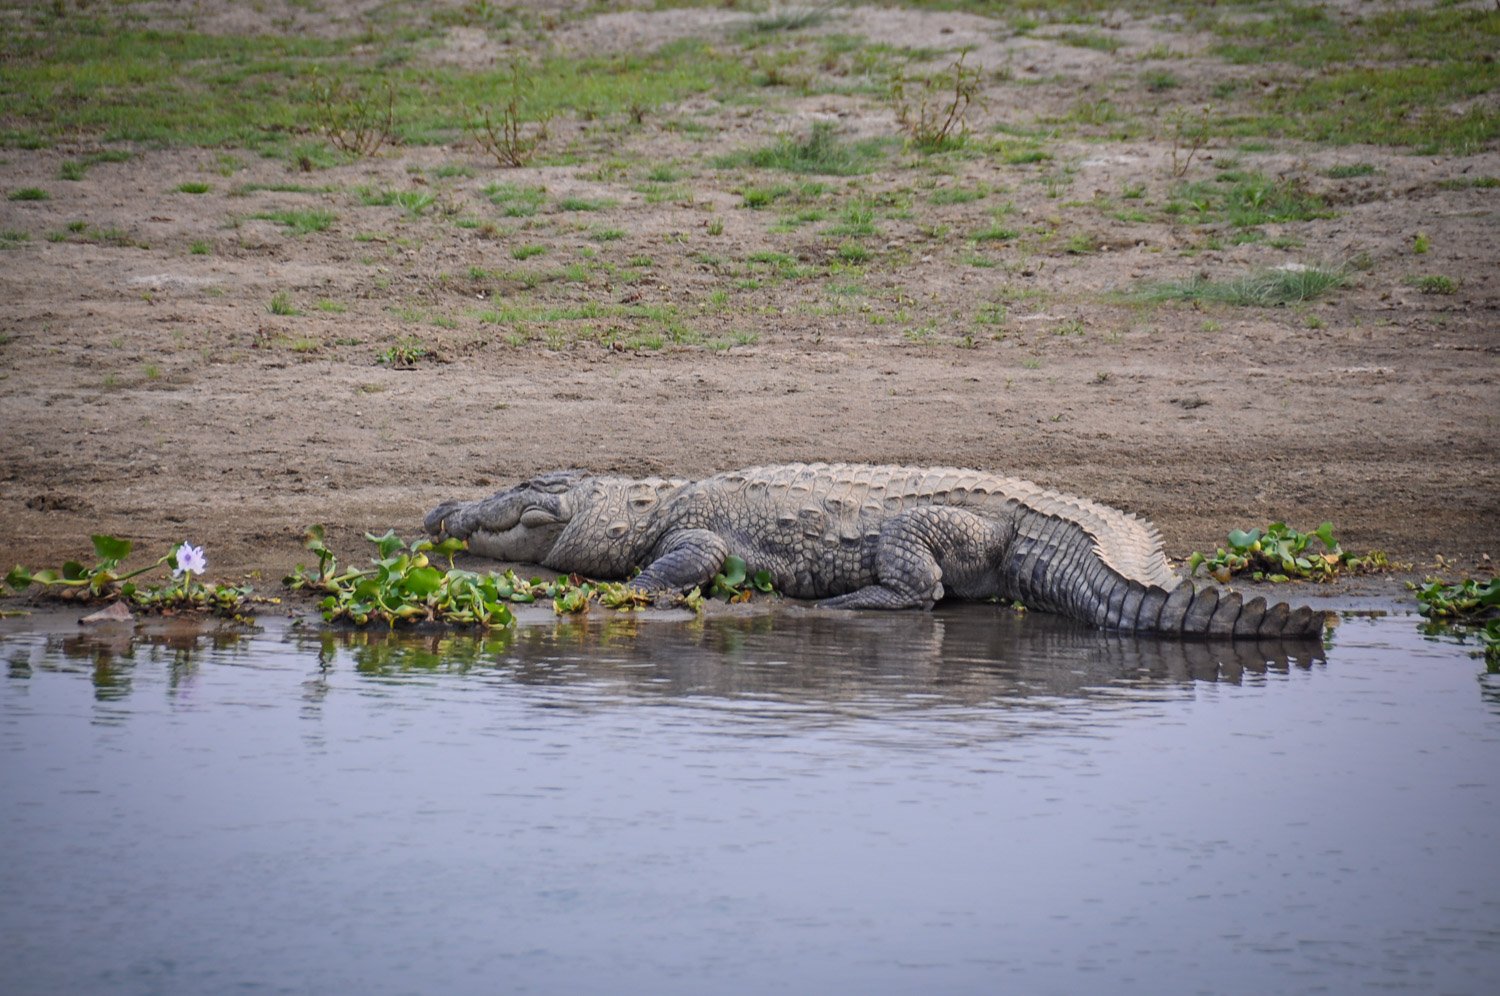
[[148, 391]]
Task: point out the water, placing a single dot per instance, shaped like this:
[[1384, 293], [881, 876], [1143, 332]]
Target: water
[[957, 802]]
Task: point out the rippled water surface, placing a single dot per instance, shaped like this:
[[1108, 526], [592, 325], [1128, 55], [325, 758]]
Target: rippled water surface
[[954, 802]]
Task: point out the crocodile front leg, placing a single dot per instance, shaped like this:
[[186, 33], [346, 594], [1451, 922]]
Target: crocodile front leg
[[682, 560], [921, 548]]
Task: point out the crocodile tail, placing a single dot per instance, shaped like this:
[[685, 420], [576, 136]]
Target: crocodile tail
[[1217, 613], [1059, 565]]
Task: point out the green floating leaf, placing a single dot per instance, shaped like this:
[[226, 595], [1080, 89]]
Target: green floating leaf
[[734, 571], [423, 581], [19, 578], [1240, 540], [387, 544], [72, 571], [111, 547]]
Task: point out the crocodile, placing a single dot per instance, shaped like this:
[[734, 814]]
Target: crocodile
[[865, 537]]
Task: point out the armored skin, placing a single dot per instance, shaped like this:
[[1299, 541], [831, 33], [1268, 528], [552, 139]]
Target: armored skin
[[865, 537]]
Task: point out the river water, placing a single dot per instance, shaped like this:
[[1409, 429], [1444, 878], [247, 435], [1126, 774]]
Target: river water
[[963, 801]]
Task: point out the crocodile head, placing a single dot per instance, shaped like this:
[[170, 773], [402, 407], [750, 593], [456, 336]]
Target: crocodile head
[[520, 524]]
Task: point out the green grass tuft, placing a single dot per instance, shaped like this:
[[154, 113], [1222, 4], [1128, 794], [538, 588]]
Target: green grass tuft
[[820, 152], [301, 222], [1264, 289]]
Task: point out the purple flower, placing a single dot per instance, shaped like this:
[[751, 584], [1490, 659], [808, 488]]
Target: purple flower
[[190, 560]]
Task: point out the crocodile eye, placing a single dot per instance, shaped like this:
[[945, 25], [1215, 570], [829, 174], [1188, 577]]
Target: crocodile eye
[[642, 502]]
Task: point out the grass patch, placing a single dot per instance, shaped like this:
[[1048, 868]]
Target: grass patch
[[97, 72], [193, 187], [516, 201], [585, 204], [281, 304], [1467, 182], [301, 222], [28, 194], [1090, 40], [526, 252], [820, 152], [1436, 284], [1394, 77], [856, 220], [958, 195], [1264, 289], [77, 169], [1350, 171], [1245, 200], [11, 238]]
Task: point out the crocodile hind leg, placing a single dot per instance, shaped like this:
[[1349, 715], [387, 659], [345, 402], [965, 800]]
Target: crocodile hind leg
[[920, 549]]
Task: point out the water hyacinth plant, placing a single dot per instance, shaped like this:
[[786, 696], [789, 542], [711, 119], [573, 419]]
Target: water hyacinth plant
[[104, 581], [402, 585], [1280, 553], [1462, 608]]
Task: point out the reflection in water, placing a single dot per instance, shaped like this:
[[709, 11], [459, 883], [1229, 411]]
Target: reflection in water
[[966, 655], [110, 655], [960, 801]]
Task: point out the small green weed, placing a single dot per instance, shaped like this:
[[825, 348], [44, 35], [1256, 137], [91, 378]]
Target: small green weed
[[1437, 284], [11, 238], [404, 354], [193, 187], [526, 252], [281, 304], [201, 248], [415, 202], [28, 194]]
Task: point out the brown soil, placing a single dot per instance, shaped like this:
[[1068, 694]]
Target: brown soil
[[148, 391]]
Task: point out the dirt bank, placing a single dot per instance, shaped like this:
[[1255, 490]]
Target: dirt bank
[[188, 365]]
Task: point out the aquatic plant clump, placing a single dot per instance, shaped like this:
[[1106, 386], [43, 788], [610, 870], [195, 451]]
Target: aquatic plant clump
[[1281, 553], [403, 586], [104, 581], [1472, 605]]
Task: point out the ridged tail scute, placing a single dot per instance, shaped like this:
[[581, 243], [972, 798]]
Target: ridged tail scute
[[1057, 565]]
